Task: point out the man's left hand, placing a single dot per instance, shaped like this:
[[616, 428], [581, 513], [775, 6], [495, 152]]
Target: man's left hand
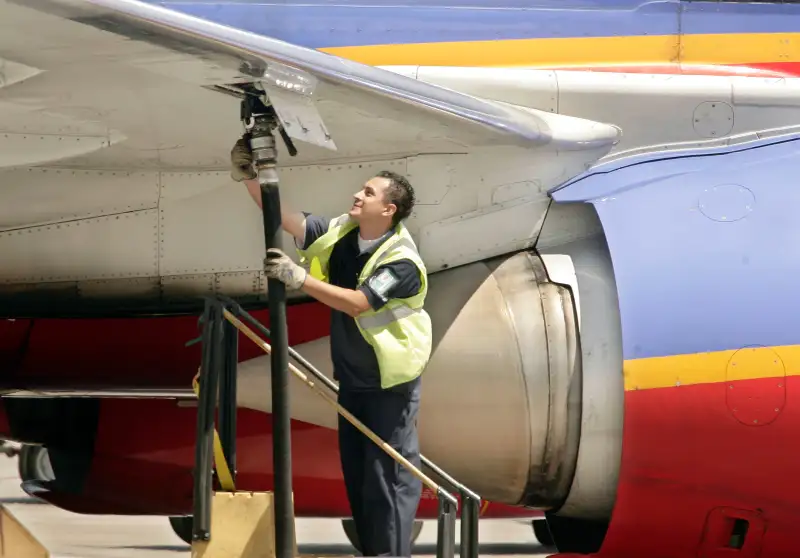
[[242, 161], [278, 265]]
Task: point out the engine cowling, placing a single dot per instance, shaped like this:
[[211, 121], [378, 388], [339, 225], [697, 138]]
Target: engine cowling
[[505, 373]]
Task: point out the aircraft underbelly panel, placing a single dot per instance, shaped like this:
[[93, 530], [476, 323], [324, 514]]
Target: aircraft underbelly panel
[[671, 106], [520, 86], [469, 207], [465, 238], [651, 109], [101, 248], [36, 196]]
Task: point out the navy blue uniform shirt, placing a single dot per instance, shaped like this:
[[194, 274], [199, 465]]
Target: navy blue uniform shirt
[[355, 365]]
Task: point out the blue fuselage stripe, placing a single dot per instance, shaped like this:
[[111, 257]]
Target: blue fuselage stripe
[[342, 25], [348, 23]]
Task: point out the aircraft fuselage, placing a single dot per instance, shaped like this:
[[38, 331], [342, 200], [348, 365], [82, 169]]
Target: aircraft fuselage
[[641, 331]]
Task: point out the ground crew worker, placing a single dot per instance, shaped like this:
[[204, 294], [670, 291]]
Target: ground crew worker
[[365, 266]]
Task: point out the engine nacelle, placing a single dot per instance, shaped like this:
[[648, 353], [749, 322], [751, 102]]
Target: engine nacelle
[[502, 391]]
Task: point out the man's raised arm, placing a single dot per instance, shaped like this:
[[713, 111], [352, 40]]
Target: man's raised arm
[[242, 171], [293, 222]]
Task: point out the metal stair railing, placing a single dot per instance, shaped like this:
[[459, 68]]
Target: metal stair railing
[[222, 319]]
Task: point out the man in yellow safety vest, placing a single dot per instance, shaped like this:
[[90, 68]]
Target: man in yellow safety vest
[[365, 266]]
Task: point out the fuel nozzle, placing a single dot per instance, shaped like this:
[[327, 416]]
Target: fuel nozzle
[[260, 120], [265, 155]]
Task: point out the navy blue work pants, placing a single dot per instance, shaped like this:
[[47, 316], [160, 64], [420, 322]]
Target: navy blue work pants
[[383, 494]]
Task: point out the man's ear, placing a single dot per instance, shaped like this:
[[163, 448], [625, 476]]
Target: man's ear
[[390, 210]]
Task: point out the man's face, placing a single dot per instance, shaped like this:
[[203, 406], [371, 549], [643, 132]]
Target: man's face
[[370, 203]]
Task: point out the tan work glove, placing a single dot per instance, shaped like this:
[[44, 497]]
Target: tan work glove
[[242, 161], [278, 265]]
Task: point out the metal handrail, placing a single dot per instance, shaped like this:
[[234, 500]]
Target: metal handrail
[[427, 481], [471, 501], [217, 333], [331, 385]]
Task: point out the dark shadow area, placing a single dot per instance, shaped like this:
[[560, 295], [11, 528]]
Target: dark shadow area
[[23, 500], [505, 549], [164, 547], [492, 549], [322, 549]]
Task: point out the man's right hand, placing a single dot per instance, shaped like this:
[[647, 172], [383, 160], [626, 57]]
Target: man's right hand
[[242, 161]]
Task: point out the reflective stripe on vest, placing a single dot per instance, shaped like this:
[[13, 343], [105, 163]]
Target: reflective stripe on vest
[[386, 317], [399, 331], [402, 243]]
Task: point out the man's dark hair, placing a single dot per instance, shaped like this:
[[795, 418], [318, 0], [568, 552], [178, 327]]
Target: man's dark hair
[[400, 193]]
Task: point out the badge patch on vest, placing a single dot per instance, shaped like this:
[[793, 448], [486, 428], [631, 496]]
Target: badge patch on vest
[[382, 282]]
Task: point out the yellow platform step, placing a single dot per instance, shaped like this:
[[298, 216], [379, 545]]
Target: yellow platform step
[[242, 526], [16, 541]]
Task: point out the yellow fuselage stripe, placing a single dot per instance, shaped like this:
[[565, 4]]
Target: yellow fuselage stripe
[[749, 363], [739, 48]]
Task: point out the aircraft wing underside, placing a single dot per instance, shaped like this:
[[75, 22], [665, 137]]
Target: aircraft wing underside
[[109, 60], [117, 119]]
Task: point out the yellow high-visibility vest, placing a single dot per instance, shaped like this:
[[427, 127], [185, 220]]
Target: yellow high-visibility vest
[[400, 331]]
